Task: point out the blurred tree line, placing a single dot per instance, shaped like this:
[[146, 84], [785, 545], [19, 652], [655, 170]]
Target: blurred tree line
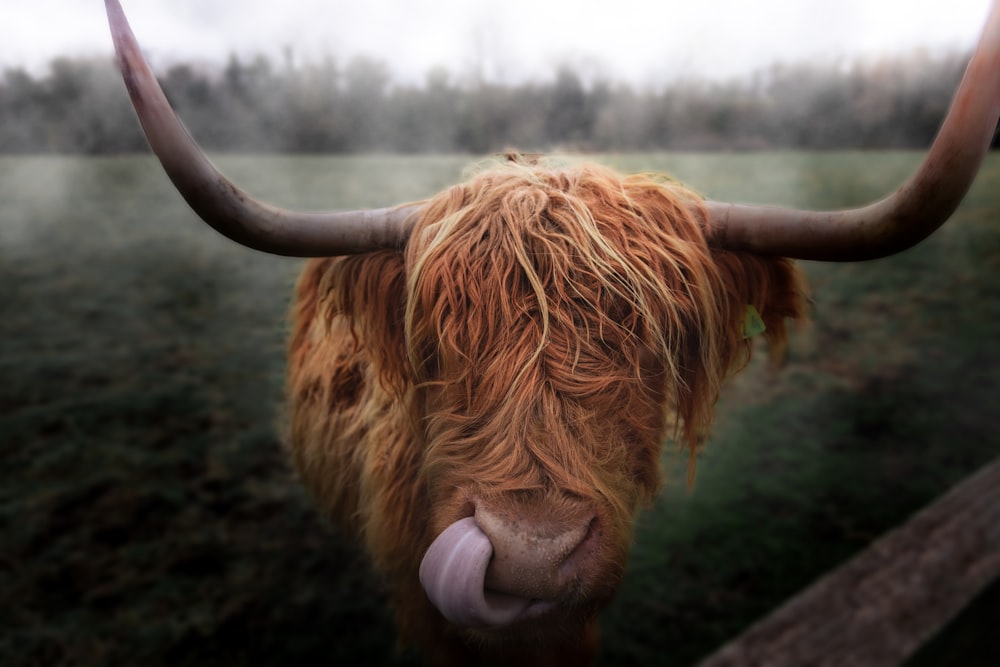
[[79, 106]]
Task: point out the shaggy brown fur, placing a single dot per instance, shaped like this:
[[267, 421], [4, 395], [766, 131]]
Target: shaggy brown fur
[[542, 333]]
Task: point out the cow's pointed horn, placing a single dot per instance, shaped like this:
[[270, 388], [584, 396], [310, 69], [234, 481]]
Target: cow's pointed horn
[[907, 216], [224, 206]]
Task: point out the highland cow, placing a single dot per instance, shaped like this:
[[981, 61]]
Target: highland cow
[[479, 385], [611, 325]]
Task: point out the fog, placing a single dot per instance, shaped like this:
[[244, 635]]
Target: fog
[[633, 41], [262, 105]]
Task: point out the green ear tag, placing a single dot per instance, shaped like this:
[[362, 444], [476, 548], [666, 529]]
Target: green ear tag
[[753, 323]]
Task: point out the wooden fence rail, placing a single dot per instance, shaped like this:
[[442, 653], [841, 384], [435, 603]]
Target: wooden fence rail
[[882, 605]]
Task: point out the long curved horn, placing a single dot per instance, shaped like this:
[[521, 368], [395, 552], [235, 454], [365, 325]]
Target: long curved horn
[[902, 219], [221, 204]]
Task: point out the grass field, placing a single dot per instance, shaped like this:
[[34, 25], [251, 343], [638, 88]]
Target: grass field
[[148, 516]]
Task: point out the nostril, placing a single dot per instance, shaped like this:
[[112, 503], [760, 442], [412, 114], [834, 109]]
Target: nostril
[[467, 509], [583, 551]]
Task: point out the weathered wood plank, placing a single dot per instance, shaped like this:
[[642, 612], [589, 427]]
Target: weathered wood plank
[[883, 604]]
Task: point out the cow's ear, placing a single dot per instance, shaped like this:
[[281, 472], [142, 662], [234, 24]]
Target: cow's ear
[[380, 309], [370, 290], [772, 288]]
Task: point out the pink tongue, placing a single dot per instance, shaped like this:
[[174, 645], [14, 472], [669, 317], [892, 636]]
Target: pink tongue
[[453, 573]]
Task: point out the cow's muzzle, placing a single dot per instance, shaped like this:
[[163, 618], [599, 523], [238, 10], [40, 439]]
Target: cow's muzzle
[[490, 571]]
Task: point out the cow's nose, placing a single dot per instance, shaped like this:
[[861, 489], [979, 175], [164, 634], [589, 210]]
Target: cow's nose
[[534, 558]]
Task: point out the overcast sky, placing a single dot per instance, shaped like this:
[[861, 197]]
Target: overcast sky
[[640, 41]]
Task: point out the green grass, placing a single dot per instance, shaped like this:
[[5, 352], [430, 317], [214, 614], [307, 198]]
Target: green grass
[[148, 516]]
